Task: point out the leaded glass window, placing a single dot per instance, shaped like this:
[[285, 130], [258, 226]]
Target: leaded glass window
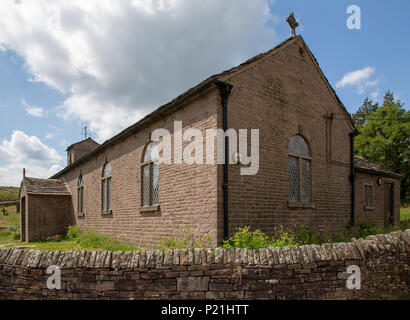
[[150, 176], [106, 188], [300, 171], [80, 189]]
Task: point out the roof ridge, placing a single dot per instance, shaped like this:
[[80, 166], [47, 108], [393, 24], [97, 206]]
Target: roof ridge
[[46, 179], [89, 138]]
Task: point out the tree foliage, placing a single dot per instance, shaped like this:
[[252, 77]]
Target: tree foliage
[[361, 115], [385, 137]]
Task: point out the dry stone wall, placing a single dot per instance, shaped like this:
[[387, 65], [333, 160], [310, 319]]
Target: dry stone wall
[[306, 272]]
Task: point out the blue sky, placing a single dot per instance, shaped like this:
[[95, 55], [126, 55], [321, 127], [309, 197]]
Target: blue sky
[[106, 64]]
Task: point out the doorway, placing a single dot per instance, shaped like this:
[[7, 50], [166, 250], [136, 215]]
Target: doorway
[[23, 219], [388, 204]]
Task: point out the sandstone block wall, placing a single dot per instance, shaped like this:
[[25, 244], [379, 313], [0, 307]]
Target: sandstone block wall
[[306, 272], [49, 215], [187, 193], [378, 211], [285, 95]]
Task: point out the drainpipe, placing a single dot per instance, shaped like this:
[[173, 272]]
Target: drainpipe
[[352, 176], [225, 91]]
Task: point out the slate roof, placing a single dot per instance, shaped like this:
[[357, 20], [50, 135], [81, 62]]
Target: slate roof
[[366, 166], [212, 80], [46, 186]]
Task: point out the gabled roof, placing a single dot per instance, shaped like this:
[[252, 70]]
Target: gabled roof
[[45, 186], [211, 81], [366, 166], [82, 141]]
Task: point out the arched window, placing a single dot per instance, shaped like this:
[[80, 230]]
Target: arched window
[[80, 189], [150, 176], [300, 171], [106, 188]]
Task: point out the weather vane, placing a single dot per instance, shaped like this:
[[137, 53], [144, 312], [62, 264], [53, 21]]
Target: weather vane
[[292, 23]]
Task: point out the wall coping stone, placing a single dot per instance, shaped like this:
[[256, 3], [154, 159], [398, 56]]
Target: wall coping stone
[[358, 249]]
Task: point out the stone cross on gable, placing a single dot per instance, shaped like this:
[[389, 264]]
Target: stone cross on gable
[[292, 23]]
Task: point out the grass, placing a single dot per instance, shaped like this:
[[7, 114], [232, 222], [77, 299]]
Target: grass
[[13, 218], [405, 214], [9, 193], [87, 239], [91, 239], [83, 239], [64, 244]]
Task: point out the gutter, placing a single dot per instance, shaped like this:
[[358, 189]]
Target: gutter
[[225, 91], [352, 176], [391, 175]]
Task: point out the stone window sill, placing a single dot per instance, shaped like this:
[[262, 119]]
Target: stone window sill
[[301, 205], [368, 208], [152, 209], [106, 213], [81, 215]]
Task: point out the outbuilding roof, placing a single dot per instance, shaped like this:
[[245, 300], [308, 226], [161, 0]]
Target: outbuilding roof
[[45, 186], [366, 166]]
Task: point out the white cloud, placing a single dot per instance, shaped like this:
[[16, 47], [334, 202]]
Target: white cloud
[[117, 60], [23, 151], [23, 147], [37, 112], [11, 174], [375, 94], [359, 79]]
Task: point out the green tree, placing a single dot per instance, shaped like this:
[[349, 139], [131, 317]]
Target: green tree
[[361, 115], [385, 138]]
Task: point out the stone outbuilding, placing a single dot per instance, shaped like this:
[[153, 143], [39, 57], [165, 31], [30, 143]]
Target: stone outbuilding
[[377, 194], [46, 208]]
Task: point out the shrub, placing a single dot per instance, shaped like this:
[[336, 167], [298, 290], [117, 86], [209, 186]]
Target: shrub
[[245, 238], [367, 228], [306, 235], [73, 233], [404, 225], [15, 235], [286, 239]]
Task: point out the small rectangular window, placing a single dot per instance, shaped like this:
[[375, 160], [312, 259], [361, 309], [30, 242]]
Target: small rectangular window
[[80, 200], [369, 196]]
